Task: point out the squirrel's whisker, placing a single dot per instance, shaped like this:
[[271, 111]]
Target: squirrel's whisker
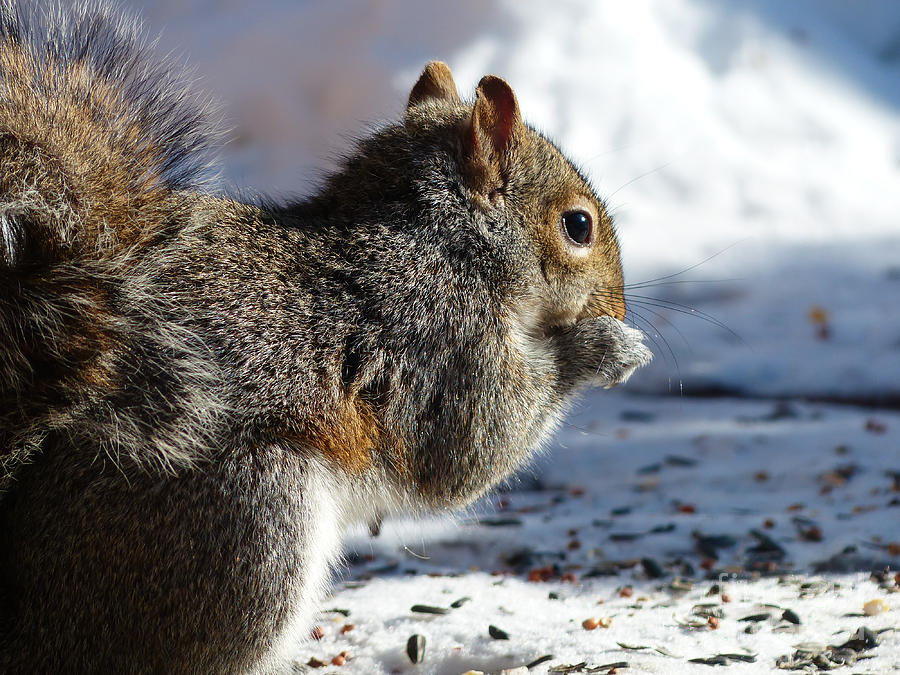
[[687, 310], [655, 336]]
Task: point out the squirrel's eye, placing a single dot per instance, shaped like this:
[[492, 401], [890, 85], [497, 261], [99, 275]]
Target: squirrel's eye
[[577, 225]]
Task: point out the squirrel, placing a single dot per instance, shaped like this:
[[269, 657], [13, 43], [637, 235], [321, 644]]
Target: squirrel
[[197, 394]]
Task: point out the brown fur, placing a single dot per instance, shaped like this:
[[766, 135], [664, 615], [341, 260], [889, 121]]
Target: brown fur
[[197, 394], [348, 436], [57, 109], [436, 82]]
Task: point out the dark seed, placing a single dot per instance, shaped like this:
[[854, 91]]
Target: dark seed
[[415, 648], [538, 661], [709, 552], [746, 658], [497, 633], [609, 666], [767, 549], [677, 460], [861, 640], [791, 616], [652, 568], [608, 568], [519, 559], [568, 668], [456, 604], [650, 468], [636, 416], [725, 659], [721, 540], [428, 609], [756, 617], [807, 529], [782, 410], [600, 571], [625, 536], [499, 522], [752, 628], [710, 544], [718, 660]]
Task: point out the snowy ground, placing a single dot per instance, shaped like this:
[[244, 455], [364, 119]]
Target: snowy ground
[[750, 149], [661, 496]]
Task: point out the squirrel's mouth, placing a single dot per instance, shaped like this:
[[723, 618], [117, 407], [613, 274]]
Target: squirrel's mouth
[[603, 303], [594, 306]]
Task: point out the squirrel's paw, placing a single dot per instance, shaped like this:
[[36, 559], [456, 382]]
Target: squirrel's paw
[[602, 351], [625, 353]]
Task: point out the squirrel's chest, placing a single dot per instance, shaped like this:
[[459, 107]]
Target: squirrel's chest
[[330, 501], [317, 549]]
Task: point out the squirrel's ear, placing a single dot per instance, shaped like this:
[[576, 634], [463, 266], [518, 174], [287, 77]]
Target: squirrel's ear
[[436, 82], [496, 124]]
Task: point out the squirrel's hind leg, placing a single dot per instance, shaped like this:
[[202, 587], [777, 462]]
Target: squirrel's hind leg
[[118, 569]]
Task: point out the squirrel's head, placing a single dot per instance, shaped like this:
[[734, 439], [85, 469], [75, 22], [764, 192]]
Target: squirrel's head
[[517, 178]]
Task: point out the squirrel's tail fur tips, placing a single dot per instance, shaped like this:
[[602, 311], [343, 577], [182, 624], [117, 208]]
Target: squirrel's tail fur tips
[[97, 140], [109, 125]]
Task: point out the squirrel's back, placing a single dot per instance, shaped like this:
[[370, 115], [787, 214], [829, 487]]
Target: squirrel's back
[[98, 144]]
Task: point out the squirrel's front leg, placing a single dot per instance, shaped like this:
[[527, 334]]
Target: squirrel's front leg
[[599, 351]]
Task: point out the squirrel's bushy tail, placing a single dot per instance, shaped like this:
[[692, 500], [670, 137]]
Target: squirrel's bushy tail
[[98, 144]]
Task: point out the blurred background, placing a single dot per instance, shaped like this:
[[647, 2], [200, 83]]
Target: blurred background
[[750, 152]]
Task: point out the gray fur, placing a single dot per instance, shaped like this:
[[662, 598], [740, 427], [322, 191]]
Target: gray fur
[[197, 395], [76, 281], [156, 93]]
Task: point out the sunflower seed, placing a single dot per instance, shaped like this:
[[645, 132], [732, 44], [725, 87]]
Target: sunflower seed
[[429, 609], [538, 661], [791, 616], [415, 648], [756, 617], [497, 633]]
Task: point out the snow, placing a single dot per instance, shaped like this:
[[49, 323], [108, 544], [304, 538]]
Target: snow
[[750, 152], [637, 478]]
